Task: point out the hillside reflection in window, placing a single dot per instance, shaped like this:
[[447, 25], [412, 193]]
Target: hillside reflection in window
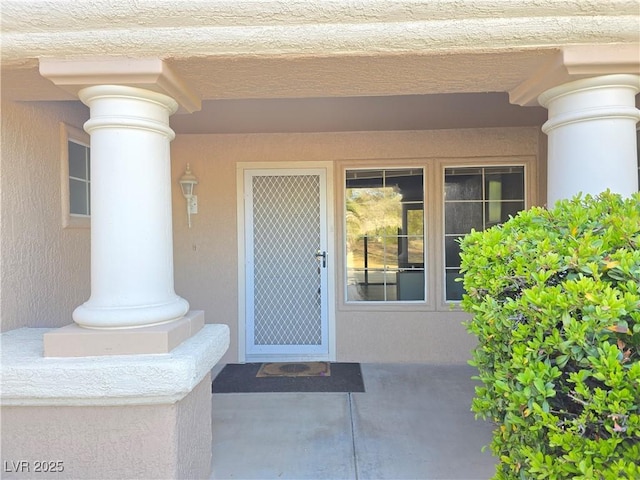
[[385, 235], [476, 198]]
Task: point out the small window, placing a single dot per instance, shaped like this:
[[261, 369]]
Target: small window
[[476, 198], [76, 177], [79, 179], [385, 235]]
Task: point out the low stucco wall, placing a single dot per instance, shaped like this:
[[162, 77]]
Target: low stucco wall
[[110, 442], [109, 416]]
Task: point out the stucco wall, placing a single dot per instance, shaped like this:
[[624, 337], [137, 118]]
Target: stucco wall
[[110, 442], [45, 268], [206, 256]]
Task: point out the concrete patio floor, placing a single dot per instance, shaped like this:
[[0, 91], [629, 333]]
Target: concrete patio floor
[[413, 422]]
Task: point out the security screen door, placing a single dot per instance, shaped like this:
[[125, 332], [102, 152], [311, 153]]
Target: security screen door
[[286, 264]]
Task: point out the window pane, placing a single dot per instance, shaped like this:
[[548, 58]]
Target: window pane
[[77, 160], [410, 285], [415, 252], [462, 187], [382, 206], [78, 198], [499, 212], [452, 251], [500, 191], [390, 252], [454, 289], [462, 217], [408, 182], [364, 179], [355, 252], [415, 222], [389, 211], [374, 252], [510, 185]]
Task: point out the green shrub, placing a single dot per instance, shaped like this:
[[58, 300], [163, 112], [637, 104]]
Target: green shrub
[[555, 298]]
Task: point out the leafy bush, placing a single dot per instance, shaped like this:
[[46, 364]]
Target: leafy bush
[[555, 298]]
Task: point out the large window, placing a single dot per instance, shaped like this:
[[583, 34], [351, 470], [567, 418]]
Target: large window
[[476, 198], [385, 235]]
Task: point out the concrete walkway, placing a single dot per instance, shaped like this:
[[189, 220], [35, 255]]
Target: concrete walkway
[[413, 422]]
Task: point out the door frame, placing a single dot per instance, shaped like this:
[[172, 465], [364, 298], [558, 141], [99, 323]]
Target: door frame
[[332, 254]]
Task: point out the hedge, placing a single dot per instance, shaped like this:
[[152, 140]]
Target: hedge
[[555, 299]]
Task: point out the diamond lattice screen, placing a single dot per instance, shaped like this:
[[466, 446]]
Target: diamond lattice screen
[[286, 231]]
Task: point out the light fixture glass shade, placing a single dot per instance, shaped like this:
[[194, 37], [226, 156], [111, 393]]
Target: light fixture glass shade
[[187, 182]]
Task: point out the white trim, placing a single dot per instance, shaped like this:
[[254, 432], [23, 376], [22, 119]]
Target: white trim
[[425, 248], [241, 167], [443, 302], [70, 133]]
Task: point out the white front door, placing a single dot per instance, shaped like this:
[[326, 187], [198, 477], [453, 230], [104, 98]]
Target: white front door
[[286, 264]]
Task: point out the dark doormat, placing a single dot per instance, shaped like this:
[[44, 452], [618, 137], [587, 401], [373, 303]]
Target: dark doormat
[[243, 378]]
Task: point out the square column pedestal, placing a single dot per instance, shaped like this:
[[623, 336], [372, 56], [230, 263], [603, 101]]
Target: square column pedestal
[[116, 416]]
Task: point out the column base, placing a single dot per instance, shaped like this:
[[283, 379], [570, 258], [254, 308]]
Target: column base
[[91, 316], [116, 417], [76, 341]]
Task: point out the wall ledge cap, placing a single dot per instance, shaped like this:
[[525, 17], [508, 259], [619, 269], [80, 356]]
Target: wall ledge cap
[[30, 379]]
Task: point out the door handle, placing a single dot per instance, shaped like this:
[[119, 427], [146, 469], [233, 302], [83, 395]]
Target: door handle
[[323, 255]]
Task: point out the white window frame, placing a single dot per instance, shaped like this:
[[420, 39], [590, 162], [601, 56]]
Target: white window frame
[[444, 303], [387, 305], [433, 168], [69, 133]]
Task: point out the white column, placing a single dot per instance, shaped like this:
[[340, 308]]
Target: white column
[[131, 229], [592, 136]]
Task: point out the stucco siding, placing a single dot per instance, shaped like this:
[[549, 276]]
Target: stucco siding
[[45, 268], [206, 256]]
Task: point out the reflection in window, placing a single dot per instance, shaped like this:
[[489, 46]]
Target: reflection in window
[[476, 198], [385, 235]]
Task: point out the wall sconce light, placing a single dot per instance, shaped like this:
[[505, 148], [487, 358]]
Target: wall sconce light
[[187, 183]]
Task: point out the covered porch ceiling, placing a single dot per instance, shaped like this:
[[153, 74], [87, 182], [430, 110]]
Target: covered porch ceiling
[[350, 114], [338, 94]]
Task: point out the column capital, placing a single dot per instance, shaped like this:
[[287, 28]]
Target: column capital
[[75, 74], [609, 96], [577, 62], [592, 136]]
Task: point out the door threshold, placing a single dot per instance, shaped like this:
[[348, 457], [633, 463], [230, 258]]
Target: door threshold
[[286, 358]]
